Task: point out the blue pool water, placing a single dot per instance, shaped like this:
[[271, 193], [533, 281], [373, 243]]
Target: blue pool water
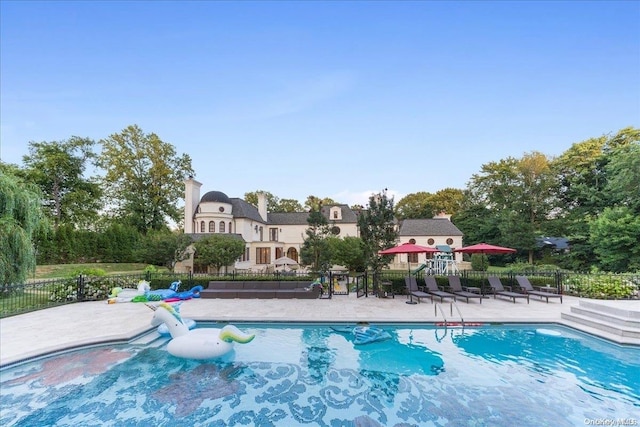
[[499, 375]]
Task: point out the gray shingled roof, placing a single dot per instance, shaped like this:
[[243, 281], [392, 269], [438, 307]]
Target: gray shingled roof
[[199, 236], [429, 227], [243, 209], [348, 215], [287, 218]]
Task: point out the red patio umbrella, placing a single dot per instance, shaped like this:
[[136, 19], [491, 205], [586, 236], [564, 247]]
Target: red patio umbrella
[[485, 248], [408, 248]]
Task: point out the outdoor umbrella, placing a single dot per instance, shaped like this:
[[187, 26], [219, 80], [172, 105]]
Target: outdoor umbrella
[[408, 248], [485, 248], [285, 260]]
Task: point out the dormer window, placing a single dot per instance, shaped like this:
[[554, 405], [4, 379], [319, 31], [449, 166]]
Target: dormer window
[[335, 213]]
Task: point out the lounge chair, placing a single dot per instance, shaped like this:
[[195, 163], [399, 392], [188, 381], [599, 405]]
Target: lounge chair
[[524, 283], [412, 289], [460, 291], [432, 288], [499, 290]]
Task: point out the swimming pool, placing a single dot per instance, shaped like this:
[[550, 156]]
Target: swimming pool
[[295, 374]]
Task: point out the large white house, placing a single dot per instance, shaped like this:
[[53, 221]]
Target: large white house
[[268, 236]]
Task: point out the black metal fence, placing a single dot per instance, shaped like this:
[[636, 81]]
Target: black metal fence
[[17, 299]]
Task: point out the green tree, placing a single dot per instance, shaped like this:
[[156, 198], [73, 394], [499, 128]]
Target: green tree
[[315, 250], [448, 200], [415, 206], [520, 191], [347, 251], [20, 220], [165, 248], [615, 236], [58, 167], [288, 205], [144, 178], [314, 203], [378, 232], [272, 201], [623, 176], [218, 250]]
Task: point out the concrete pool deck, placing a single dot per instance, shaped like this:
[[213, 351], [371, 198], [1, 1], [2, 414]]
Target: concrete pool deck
[[33, 334]]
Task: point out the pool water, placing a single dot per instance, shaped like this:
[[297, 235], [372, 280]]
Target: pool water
[[499, 375]]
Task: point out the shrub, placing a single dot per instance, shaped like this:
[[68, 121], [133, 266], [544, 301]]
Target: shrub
[[601, 286]]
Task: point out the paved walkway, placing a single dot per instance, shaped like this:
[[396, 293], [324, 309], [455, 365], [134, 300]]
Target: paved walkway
[[33, 334]]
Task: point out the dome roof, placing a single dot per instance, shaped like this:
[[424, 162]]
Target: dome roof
[[215, 196]]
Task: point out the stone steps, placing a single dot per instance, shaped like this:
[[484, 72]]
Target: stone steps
[[621, 325]]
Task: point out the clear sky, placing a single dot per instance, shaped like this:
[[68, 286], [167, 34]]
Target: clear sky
[[331, 99]]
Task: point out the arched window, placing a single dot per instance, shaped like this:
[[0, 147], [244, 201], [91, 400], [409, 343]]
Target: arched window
[[230, 231], [221, 227], [212, 227], [202, 227]]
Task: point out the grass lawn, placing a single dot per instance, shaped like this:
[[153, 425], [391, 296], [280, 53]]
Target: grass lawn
[[64, 270]]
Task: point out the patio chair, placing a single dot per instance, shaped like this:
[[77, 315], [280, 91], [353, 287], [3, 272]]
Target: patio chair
[[499, 290], [460, 291], [523, 282], [412, 289], [432, 288]]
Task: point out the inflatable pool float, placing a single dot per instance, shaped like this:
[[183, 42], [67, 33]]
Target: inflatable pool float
[[364, 334], [169, 295], [204, 343], [128, 295], [164, 329]]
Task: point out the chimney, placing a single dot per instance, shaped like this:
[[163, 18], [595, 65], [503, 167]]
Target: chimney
[[442, 215], [191, 200], [262, 206]]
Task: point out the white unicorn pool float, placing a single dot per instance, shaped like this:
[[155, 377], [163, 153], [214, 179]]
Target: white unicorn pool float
[[204, 343], [126, 295]]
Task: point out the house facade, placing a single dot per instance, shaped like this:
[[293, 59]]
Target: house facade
[[268, 236]]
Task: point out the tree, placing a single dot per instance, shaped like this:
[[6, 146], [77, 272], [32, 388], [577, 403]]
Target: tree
[[144, 178], [415, 206], [288, 205], [314, 203], [58, 167], [20, 220], [348, 252], [623, 176], [218, 250], [315, 250], [615, 236], [377, 231], [448, 200], [519, 191], [165, 248], [272, 201]]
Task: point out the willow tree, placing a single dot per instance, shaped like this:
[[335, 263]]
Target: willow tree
[[20, 219]]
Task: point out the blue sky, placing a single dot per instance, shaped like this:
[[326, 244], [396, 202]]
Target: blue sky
[[331, 99]]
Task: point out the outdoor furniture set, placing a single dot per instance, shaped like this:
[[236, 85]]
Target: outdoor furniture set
[[262, 289]]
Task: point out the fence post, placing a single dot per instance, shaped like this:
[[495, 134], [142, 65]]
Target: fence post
[[80, 288]]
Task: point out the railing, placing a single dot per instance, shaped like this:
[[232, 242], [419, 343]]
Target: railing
[[437, 306], [37, 295]]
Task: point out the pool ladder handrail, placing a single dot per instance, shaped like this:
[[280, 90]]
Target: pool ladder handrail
[[451, 305]]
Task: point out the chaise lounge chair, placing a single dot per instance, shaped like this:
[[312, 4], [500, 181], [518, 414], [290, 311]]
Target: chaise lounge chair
[[524, 283], [460, 291], [432, 288], [412, 289], [498, 289]]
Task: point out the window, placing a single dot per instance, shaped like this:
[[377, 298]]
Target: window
[[413, 258], [335, 230], [273, 234], [412, 241], [430, 242], [261, 231], [335, 214], [263, 255], [212, 227], [221, 227], [278, 253], [221, 209], [230, 228], [449, 241], [202, 227]]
